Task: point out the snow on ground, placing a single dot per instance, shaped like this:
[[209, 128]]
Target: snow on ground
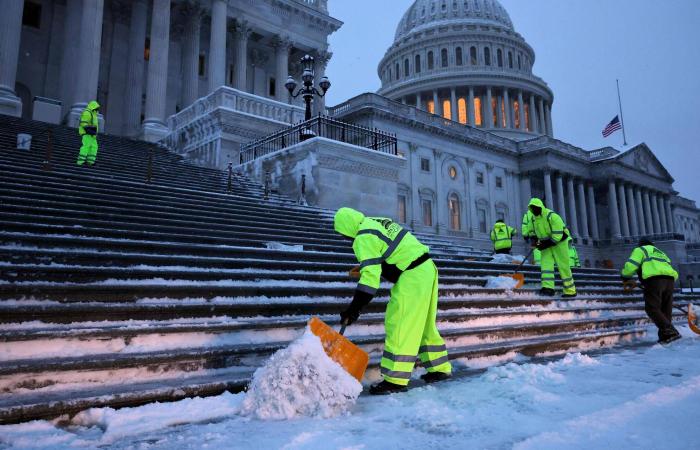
[[507, 283], [507, 259], [640, 398]]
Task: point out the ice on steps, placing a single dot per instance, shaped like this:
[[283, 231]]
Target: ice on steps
[[507, 283], [300, 380]]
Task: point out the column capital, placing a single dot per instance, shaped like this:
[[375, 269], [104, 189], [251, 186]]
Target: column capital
[[322, 57], [281, 43], [242, 30], [120, 10]]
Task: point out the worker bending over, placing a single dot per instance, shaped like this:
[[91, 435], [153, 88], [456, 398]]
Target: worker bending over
[[386, 250], [658, 278], [552, 241], [502, 237]]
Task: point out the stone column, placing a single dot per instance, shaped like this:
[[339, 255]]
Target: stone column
[[634, 217], [10, 34], [117, 85], [669, 215], [453, 105], [561, 203], [471, 202], [217, 45], [322, 58], [489, 108], [484, 112], [470, 107], [499, 112], [241, 67], [655, 212], [613, 209], [134, 67], [549, 197], [649, 222], [583, 210], [573, 215], [282, 45], [533, 115], [525, 189], [543, 123], [419, 101], [192, 15], [492, 198], [595, 234], [521, 111], [437, 108], [90, 44], [548, 119], [506, 107], [154, 128], [623, 210], [70, 53], [662, 213], [640, 210]]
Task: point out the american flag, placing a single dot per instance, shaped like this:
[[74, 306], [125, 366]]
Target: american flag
[[612, 127]]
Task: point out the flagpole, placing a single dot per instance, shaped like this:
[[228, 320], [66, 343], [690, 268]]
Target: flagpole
[[622, 120]]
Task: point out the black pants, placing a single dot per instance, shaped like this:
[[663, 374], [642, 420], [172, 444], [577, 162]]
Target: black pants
[[503, 251], [658, 301]]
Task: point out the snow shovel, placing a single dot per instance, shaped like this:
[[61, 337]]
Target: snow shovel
[[692, 318], [339, 348], [518, 277]]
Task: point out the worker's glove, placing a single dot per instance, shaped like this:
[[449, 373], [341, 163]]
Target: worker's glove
[[628, 285], [545, 244], [352, 313], [92, 131], [354, 272]]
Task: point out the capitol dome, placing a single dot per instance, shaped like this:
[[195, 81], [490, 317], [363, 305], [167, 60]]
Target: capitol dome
[[455, 58]]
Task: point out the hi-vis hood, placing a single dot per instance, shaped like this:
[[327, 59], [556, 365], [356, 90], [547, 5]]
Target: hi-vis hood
[[93, 105], [536, 202], [347, 222], [500, 227]]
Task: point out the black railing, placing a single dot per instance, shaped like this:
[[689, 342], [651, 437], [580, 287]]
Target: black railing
[[325, 127]]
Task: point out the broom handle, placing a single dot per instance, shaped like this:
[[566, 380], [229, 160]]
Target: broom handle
[[532, 249]]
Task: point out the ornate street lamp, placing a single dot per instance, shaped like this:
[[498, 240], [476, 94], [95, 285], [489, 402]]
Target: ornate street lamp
[[307, 91]]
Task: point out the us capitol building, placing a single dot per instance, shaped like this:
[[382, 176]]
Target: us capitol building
[[469, 125]]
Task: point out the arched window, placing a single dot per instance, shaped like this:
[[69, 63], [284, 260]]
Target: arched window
[[477, 112], [499, 57], [472, 56], [455, 216], [405, 68], [462, 110], [417, 64], [443, 57], [458, 56], [487, 56], [494, 111], [516, 113], [447, 109], [398, 74], [431, 61], [510, 60]]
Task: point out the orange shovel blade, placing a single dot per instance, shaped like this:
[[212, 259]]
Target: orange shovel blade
[[351, 357], [693, 319], [519, 277]]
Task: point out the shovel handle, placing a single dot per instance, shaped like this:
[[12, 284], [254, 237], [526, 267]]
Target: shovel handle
[[532, 249], [343, 326]]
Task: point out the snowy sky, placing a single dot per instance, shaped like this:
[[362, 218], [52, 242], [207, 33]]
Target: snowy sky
[[582, 46]]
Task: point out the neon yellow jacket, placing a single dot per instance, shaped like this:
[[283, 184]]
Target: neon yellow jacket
[[648, 261], [573, 257], [89, 117], [377, 240], [527, 228], [502, 236], [548, 225]]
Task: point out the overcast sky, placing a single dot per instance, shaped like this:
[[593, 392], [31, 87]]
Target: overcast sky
[[581, 47]]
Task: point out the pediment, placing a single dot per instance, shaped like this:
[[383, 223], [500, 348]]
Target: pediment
[[644, 160]]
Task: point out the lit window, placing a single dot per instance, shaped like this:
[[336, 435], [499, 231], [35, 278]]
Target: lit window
[[480, 178], [494, 108], [453, 206], [147, 49], [427, 207], [528, 126], [516, 113], [499, 182], [431, 107], [504, 118], [401, 213], [447, 109], [453, 172], [462, 110], [425, 165], [477, 111]]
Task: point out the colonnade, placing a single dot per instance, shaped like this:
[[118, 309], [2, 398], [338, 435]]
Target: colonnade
[[488, 107]]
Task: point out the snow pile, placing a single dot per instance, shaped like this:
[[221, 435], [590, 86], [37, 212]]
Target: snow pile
[[500, 283], [284, 247], [300, 380], [507, 259]]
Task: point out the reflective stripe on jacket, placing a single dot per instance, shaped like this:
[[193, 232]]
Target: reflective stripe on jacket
[[648, 261], [573, 257], [502, 236], [548, 225], [527, 228]]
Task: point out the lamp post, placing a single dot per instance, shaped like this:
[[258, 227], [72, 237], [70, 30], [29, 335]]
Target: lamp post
[[307, 91]]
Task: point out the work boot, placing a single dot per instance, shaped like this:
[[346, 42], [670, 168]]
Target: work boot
[[386, 388], [434, 377], [569, 295], [547, 292], [669, 335]]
